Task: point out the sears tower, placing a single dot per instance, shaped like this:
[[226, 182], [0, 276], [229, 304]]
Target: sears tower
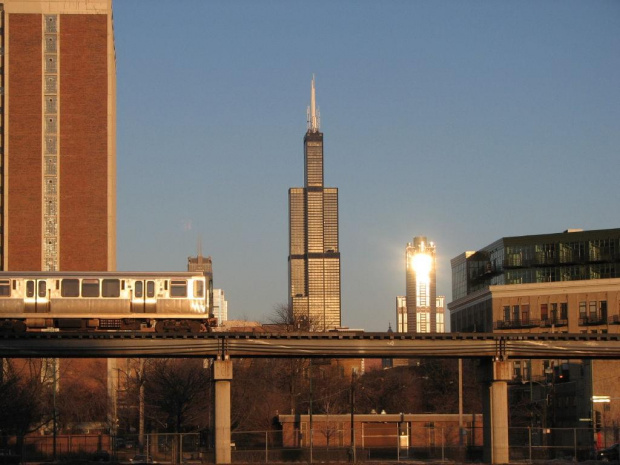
[[314, 256]]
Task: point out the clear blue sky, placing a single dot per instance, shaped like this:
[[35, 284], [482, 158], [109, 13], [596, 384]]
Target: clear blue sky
[[464, 121]]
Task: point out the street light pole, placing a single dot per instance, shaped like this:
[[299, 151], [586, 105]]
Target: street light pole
[[311, 411], [54, 424], [353, 451], [461, 402]]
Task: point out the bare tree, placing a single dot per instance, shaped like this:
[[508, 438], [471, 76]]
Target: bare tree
[[178, 393], [284, 317], [82, 397], [24, 399]]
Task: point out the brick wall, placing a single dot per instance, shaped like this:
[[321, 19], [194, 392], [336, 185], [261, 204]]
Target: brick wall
[[83, 142], [24, 164]]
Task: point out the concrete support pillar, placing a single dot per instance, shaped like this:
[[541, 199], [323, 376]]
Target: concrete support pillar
[[495, 410], [222, 375]]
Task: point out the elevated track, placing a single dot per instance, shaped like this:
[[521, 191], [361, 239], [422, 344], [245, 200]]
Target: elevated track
[[309, 345]]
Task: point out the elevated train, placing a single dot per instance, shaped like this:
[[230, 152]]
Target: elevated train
[[100, 301]]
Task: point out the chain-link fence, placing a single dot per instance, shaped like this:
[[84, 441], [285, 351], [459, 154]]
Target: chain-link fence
[[575, 444], [325, 445]]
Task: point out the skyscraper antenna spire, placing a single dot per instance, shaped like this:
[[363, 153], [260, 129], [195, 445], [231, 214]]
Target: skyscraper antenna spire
[[314, 122]]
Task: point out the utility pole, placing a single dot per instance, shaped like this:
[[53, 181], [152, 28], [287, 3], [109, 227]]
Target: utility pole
[[141, 408], [353, 451], [311, 431], [54, 424], [461, 431]]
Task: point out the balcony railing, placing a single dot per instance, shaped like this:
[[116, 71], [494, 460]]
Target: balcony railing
[[592, 321], [516, 324], [548, 322]]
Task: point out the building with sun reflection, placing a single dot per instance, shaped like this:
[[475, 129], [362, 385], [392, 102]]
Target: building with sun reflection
[[421, 300]]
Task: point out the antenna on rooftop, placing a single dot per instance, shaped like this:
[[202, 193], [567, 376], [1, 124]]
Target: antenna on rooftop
[[314, 122]]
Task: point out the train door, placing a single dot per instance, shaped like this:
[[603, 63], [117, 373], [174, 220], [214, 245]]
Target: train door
[[36, 298], [143, 297], [150, 301]]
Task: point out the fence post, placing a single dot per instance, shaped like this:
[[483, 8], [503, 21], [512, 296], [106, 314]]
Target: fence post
[[266, 446], [362, 436], [529, 440], [575, 442], [443, 445]]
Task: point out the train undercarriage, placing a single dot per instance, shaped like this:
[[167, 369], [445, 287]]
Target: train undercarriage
[[193, 326]]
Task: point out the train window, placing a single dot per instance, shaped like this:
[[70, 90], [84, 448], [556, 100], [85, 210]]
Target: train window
[[70, 288], [90, 288], [139, 289], [5, 288], [29, 288], [178, 288], [111, 288], [150, 288], [199, 289], [42, 289]]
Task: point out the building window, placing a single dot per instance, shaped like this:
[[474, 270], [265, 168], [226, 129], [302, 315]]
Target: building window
[[440, 323], [544, 312], [603, 310], [525, 314], [582, 310], [507, 313], [422, 294], [423, 322], [593, 313], [515, 313], [564, 311]]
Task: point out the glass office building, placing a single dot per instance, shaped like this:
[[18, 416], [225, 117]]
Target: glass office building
[[569, 256], [421, 286]]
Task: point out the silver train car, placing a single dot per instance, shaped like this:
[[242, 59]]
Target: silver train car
[[100, 301]]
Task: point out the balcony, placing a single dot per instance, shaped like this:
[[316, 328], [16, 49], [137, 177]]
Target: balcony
[[485, 273], [592, 321], [614, 320], [549, 322], [515, 324]]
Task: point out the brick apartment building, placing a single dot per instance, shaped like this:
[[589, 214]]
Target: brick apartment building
[[58, 143], [58, 137]]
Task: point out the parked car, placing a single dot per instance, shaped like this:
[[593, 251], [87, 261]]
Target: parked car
[[609, 454]]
